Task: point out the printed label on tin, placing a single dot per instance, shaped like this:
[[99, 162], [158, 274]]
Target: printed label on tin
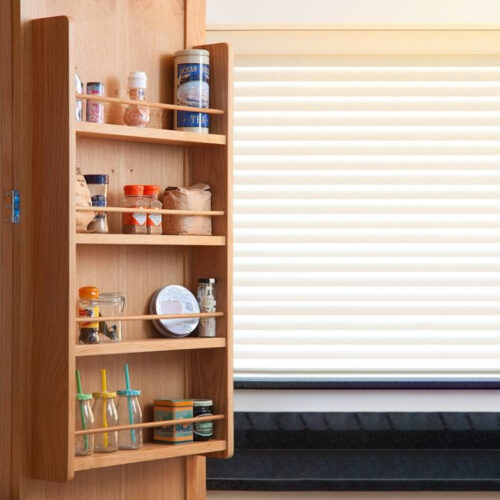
[[193, 90]]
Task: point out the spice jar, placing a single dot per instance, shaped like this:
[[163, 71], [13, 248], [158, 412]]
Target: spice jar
[[191, 88], [89, 307], [84, 444], [134, 223], [202, 431], [111, 304], [79, 102], [129, 412], [95, 109], [206, 300], [105, 415], [137, 116], [98, 187], [153, 221]]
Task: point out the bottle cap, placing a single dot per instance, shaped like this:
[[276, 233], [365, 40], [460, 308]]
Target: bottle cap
[[192, 52], [206, 280], [137, 79], [104, 395], [97, 179], [151, 190], [82, 396], [128, 392], [133, 190], [88, 292], [202, 402]]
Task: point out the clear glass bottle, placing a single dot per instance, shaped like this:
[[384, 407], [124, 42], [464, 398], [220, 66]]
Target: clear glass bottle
[[111, 304], [206, 300], [129, 412], [137, 116], [84, 444], [89, 307], [154, 221], [105, 415], [134, 223]]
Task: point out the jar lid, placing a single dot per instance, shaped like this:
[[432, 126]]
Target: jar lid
[[128, 392], [175, 299], [104, 395], [137, 79], [111, 297], [133, 190], [82, 396], [206, 280], [202, 402], [192, 52], [97, 178], [151, 190], [98, 200], [88, 292]]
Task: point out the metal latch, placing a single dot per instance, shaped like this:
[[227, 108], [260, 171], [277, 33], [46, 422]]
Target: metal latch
[[12, 206]]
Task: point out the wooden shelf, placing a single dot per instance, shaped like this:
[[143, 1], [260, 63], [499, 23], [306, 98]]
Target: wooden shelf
[[148, 239], [149, 345], [149, 135], [150, 451]]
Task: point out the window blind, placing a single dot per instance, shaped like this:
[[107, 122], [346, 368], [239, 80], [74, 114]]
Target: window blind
[[366, 216]]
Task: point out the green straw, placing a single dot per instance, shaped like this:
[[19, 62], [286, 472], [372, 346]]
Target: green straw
[[130, 412], [82, 412]]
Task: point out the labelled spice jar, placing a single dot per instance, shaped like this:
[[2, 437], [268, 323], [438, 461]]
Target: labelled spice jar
[[134, 223], [89, 308], [206, 300], [202, 431], [153, 221], [137, 116], [98, 187], [191, 88], [95, 109]]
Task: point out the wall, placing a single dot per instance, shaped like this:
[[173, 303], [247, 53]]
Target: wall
[[348, 13]]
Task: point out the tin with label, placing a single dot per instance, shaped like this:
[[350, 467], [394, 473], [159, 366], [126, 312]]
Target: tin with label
[[203, 431], [191, 87], [173, 409]]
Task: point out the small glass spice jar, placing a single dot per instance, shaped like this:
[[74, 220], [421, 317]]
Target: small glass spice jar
[[111, 304], [89, 308], [202, 431], [129, 412], [98, 187], [95, 109], [153, 221], [84, 444], [105, 415], [134, 223], [206, 300], [137, 116]]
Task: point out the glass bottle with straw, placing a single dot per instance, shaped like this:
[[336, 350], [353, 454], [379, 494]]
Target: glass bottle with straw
[[129, 413], [84, 444], [106, 416]]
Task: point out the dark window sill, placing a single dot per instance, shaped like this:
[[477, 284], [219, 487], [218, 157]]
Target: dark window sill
[[361, 452]]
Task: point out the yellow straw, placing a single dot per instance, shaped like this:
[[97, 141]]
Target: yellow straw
[[105, 440]]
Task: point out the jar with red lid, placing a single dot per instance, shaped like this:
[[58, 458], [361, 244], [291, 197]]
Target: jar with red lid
[[134, 222], [153, 221]]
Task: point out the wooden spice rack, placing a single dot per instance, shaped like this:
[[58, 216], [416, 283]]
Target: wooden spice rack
[[136, 265]]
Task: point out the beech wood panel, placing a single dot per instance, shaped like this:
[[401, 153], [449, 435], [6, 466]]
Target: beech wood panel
[[53, 151], [212, 372], [152, 240]]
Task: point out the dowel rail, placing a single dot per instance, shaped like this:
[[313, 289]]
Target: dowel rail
[[87, 319], [127, 210], [148, 425], [146, 104]]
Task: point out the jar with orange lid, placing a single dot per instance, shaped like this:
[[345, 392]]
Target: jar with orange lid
[[134, 222], [153, 221], [88, 307]]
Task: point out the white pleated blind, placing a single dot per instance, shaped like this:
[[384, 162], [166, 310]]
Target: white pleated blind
[[367, 216]]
